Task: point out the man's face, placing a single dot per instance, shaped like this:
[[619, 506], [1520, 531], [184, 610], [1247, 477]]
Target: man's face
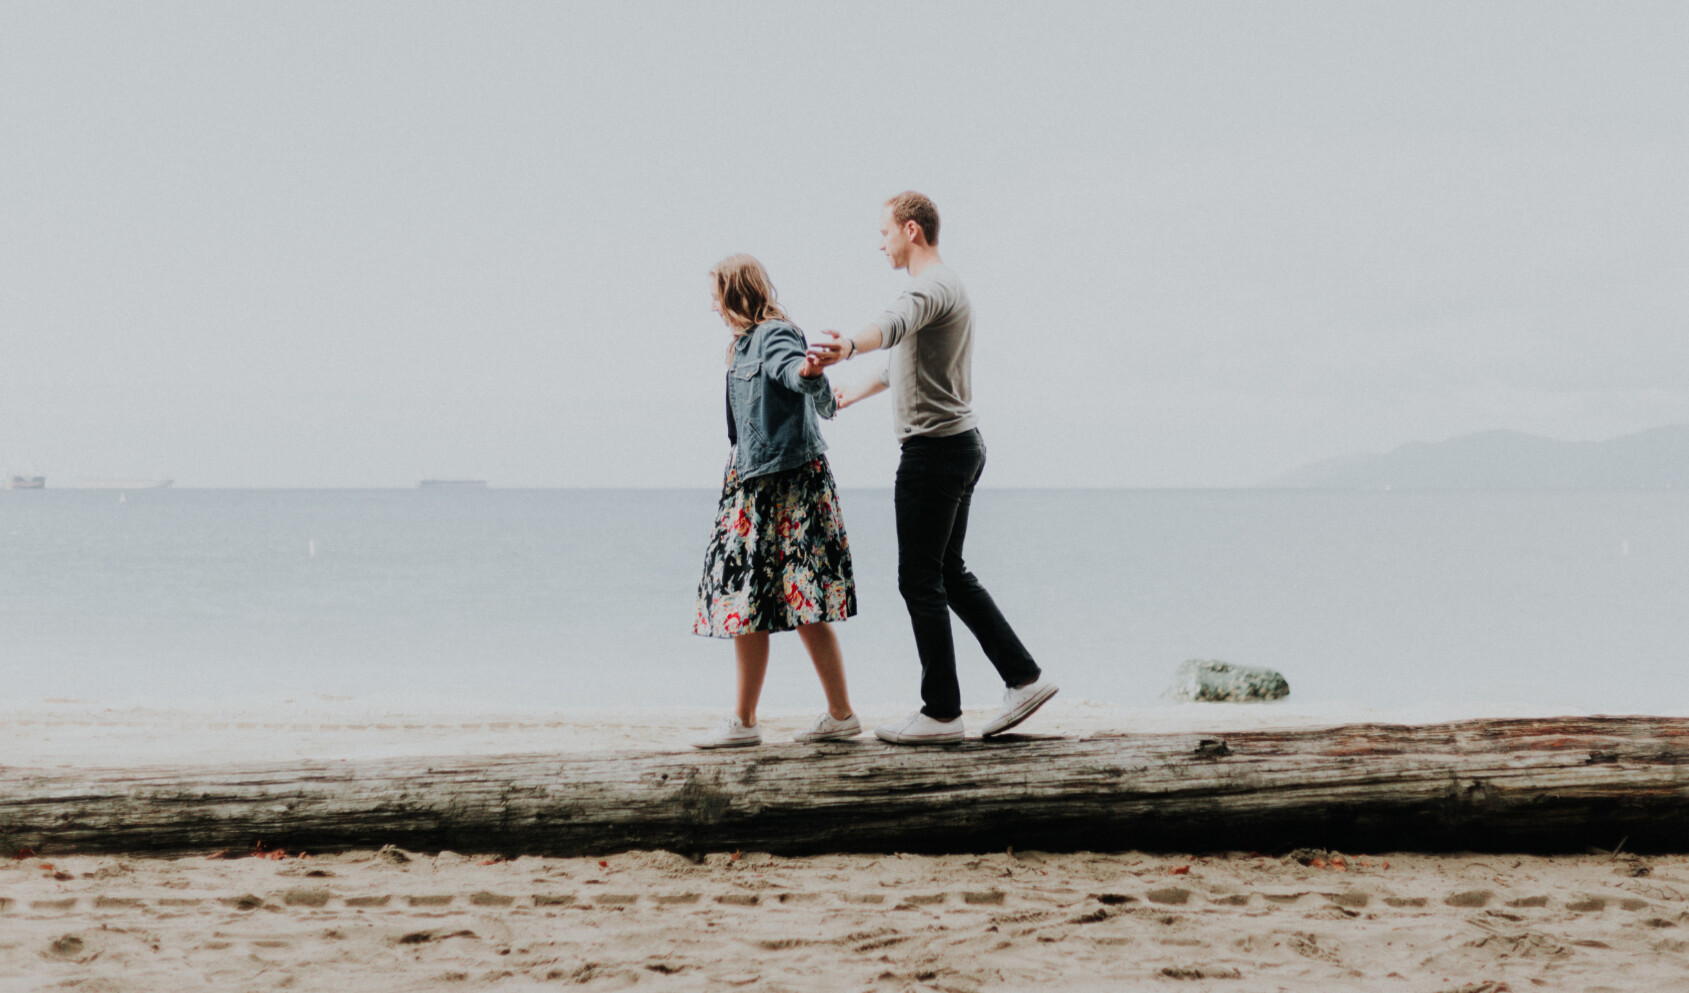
[[894, 241]]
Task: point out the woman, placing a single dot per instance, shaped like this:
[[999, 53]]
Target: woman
[[779, 559]]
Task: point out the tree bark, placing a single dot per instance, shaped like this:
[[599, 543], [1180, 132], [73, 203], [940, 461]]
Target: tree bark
[[1523, 785]]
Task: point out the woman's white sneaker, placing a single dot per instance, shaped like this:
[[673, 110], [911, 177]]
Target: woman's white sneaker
[[731, 733], [1019, 703], [919, 729], [826, 728]]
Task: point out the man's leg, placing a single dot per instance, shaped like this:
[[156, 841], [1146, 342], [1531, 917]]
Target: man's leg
[[929, 488], [974, 605]]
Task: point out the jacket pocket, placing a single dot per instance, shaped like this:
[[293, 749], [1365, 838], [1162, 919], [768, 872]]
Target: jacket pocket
[[746, 380]]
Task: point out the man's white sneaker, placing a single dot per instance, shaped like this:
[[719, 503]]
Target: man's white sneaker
[[731, 733], [1019, 703], [919, 729], [826, 728]]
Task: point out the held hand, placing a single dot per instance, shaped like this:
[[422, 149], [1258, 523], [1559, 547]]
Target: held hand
[[826, 353], [811, 366], [847, 396]]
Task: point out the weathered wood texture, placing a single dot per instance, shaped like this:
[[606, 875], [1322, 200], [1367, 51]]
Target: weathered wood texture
[[1526, 785]]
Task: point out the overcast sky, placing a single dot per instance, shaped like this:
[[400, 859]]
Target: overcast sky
[[355, 244]]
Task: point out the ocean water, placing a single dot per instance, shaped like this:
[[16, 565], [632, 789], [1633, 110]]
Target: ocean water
[[584, 598]]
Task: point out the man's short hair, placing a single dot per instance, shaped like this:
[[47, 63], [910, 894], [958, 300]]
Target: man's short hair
[[911, 206]]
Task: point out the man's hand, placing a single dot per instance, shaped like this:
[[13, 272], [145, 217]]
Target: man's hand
[[811, 366], [826, 353]]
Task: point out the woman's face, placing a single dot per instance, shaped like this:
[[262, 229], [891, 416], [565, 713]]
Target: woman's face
[[715, 302], [715, 305]]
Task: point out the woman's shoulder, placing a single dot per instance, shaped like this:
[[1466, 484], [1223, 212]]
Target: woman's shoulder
[[778, 328]]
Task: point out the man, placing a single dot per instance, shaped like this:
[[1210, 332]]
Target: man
[[929, 331]]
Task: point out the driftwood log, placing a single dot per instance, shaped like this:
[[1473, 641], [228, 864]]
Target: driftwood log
[[1522, 785]]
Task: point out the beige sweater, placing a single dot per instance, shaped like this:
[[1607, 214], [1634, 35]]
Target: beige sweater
[[929, 332]]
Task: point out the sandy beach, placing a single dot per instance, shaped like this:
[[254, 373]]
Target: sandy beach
[[391, 920], [388, 920]]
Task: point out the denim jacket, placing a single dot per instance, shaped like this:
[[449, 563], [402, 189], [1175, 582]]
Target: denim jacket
[[774, 408]]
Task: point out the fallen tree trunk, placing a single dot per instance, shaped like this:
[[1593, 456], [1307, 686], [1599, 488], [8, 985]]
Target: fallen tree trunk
[[1524, 785]]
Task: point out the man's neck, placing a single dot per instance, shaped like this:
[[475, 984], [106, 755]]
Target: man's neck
[[921, 259]]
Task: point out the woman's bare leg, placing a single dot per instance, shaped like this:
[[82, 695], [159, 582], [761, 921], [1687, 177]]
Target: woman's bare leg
[[752, 652], [823, 647]]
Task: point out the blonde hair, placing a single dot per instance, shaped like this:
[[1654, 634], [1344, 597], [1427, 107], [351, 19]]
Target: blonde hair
[[745, 291]]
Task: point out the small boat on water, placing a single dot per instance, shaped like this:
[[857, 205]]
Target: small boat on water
[[452, 484], [26, 482]]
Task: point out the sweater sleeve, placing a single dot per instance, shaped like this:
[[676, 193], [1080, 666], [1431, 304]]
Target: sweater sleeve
[[924, 300]]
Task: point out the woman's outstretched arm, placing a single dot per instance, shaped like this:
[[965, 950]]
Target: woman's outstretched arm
[[847, 395]]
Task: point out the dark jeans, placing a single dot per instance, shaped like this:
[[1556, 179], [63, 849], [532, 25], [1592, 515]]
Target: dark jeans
[[935, 484]]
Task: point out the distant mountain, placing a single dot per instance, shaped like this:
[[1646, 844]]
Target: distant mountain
[[1655, 459]]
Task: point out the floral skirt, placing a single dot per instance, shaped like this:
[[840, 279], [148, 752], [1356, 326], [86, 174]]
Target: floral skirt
[[779, 556]]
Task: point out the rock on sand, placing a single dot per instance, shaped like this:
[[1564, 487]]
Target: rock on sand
[[1213, 681]]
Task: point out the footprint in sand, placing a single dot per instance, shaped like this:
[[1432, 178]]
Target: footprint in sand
[[70, 948], [1308, 946], [783, 944], [306, 897], [798, 897]]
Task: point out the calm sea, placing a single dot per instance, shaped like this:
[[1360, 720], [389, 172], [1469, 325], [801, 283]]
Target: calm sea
[[585, 598]]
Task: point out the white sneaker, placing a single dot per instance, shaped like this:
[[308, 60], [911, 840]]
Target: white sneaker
[[919, 729], [1019, 704], [731, 733], [826, 728]]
